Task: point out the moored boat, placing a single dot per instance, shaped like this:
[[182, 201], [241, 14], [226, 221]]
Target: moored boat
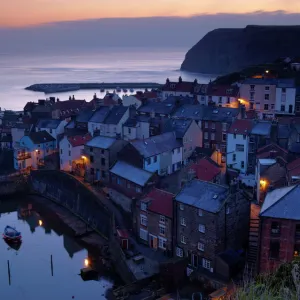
[[125, 90], [11, 234], [118, 90], [131, 90], [102, 90]]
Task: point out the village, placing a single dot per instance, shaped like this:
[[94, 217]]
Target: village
[[205, 175]]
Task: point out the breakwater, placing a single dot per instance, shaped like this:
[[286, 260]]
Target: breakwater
[[48, 88]]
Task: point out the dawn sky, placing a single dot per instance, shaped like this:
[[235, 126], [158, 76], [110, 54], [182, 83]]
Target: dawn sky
[[28, 12]]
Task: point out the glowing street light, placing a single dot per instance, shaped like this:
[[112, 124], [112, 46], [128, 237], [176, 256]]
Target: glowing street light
[[86, 262], [40, 222]]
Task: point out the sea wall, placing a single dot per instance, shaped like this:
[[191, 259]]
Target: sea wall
[[13, 185]]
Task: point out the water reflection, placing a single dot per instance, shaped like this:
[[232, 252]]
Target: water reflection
[[44, 236]]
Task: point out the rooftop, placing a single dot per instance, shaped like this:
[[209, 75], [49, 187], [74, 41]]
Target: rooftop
[[180, 86], [48, 123], [131, 173], [222, 90], [179, 126], [157, 144], [203, 195], [41, 137], [79, 140], [102, 142], [116, 114], [205, 169], [100, 114], [282, 203], [281, 83], [157, 107], [262, 128], [84, 116], [241, 127], [69, 104]]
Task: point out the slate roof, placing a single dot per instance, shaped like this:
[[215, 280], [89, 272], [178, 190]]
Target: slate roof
[[204, 195], [241, 127], [160, 202], [262, 128], [283, 131], [48, 123], [282, 203], [41, 137], [157, 107], [100, 114], [282, 83], [194, 112], [180, 86], [116, 114], [42, 109], [222, 90], [180, 100], [179, 126], [69, 104], [131, 122], [157, 144], [131, 173], [102, 142], [84, 116]]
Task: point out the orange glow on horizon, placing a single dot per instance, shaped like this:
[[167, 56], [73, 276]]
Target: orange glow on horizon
[[32, 12]]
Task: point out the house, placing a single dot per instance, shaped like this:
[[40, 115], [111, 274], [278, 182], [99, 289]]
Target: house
[[64, 110], [222, 95], [209, 219], [32, 150], [200, 91], [192, 112], [18, 131], [136, 129], [112, 122], [133, 100], [109, 100], [157, 109], [100, 154], [43, 110], [269, 96], [10, 119], [205, 169], [128, 183], [97, 118], [180, 88], [154, 220], [238, 145], [54, 127], [280, 228], [82, 119], [161, 154], [188, 133], [71, 152], [260, 136]]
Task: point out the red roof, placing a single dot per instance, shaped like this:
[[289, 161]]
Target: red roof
[[183, 86], [241, 127], [123, 233], [294, 164], [79, 140], [69, 104], [161, 202], [265, 150], [205, 169], [222, 90]]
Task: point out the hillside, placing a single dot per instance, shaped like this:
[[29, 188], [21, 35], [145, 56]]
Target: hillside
[[229, 50]]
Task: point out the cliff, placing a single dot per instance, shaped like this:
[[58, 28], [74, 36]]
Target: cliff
[[229, 50]]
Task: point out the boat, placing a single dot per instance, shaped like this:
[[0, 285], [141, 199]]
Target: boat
[[102, 90], [118, 90], [125, 90], [13, 245], [131, 90], [11, 234]]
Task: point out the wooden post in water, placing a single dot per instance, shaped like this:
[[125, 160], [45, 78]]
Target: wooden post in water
[[8, 270], [51, 265]]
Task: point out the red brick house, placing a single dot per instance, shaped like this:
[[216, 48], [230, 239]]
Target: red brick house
[[154, 220], [279, 228]]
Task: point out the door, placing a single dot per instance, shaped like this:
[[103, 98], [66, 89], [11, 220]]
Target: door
[[290, 109]]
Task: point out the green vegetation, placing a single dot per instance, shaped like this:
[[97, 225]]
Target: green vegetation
[[284, 284]]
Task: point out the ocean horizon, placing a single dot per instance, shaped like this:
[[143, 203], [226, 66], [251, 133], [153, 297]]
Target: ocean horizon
[[104, 65]]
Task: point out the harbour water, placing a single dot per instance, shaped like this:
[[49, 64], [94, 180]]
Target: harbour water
[[105, 65], [30, 266]]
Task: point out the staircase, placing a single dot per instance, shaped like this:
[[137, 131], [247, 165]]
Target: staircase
[[253, 248]]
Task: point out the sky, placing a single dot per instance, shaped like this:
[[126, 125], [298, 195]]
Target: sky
[[20, 13]]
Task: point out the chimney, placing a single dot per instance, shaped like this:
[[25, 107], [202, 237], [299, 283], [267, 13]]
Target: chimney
[[180, 79], [70, 98], [233, 187], [95, 96], [57, 100], [73, 98]]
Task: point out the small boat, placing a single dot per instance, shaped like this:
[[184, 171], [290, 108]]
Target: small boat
[[13, 245], [102, 90], [118, 90], [131, 90], [11, 234], [125, 90]]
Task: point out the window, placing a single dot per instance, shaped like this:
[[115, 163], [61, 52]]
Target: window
[[162, 219], [118, 181], [267, 97], [162, 229], [252, 87], [143, 220], [228, 100], [252, 96], [206, 145], [148, 161], [155, 158], [129, 130], [138, 189], [200, 212], [200, 246], [234, 136], [212, 136], [220, 100], [206, 263], [224, 126], [162, 243], [92, 171], [275, 228], [181, 206], [283, 90], [206, 124], [143, 206], [251, 106], [182, 221], [244, 136], [267, 88], [179, 252], [91, 159], [266, 106], [69, 153], [206, 135], [239, 148], [91, 149], [144, 234], [103, 174], [274, 249], [272, 106], [282, 108], [227, 210], [183, 239], [102, 151], [202, 228], [242, 164], [61, 151], [128, 185], [213, 126], [224, 137]]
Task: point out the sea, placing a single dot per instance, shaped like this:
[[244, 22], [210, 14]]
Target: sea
[[18, 71]]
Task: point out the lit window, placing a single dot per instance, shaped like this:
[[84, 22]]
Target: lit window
[[182, 221], [202, 228], [200, 246], [182, 239]]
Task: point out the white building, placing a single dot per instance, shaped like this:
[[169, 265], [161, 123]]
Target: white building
[[133, 129], [71, 151], [180, 88], [238, 145], [132, 100], [285, 97], [223, 95]]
